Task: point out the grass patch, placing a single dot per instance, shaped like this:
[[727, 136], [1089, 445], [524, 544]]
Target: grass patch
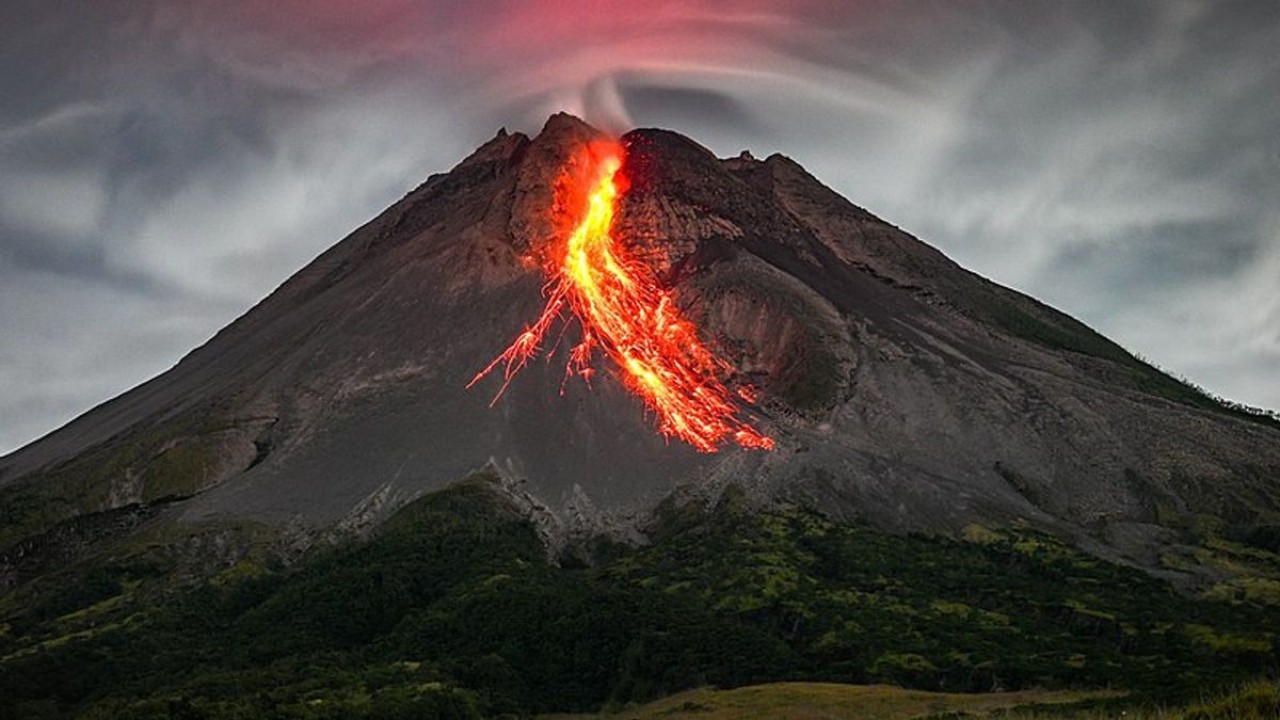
[[819, 701]]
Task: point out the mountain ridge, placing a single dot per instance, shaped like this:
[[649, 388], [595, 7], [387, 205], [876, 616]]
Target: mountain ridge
[[905, 390]]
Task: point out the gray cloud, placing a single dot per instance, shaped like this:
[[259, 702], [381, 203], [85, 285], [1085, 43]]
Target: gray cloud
[[163, 165]]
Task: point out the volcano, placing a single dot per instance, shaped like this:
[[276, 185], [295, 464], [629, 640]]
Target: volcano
[[894, 387]]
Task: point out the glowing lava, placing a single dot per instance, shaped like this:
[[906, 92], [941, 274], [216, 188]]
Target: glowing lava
[[627, 315]]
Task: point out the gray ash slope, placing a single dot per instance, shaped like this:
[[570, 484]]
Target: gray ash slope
[[900, 388]]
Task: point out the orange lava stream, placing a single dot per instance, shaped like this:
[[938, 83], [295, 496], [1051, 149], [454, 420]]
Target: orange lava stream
[[627, 315]]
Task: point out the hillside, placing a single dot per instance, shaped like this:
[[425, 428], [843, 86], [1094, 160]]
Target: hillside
[[454, 604]]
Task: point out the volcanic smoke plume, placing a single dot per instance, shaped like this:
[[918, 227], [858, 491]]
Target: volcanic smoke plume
[[624, 312], [529, 58]]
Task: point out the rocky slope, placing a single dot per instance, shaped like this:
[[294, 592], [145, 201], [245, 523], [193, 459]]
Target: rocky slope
[[900, 388]]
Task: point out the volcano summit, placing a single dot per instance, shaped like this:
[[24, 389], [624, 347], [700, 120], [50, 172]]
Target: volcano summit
[[746, 432], [894, 386]]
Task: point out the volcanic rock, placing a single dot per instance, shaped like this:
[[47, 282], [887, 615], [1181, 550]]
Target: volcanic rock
[[900, 388]]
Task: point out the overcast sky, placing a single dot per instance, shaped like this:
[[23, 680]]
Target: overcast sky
[[164, 165]]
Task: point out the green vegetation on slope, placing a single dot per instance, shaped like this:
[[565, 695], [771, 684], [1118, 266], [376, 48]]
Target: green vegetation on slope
[[152, 464], [1029, 319], [453, 610]]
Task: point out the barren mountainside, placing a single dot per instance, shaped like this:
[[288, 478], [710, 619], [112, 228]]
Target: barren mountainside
[[900, 388]]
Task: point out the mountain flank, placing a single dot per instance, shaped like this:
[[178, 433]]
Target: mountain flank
[[903, 390], [312, 516]]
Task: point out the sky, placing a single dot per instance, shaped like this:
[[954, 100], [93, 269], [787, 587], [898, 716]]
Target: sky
[[164, 164]]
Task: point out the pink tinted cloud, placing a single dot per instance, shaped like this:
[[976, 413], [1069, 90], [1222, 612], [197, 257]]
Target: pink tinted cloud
[[541, 55]]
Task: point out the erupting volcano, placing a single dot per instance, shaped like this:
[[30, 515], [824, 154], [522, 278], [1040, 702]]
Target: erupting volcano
[[902, 394], [898, 388], [623, 310]]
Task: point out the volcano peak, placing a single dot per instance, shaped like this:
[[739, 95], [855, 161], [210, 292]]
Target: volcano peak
[[899, 388]]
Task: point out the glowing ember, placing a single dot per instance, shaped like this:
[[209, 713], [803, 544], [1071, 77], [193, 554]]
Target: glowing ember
[[633, 321]]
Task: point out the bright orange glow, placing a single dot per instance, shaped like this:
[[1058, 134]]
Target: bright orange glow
[[626, 314]]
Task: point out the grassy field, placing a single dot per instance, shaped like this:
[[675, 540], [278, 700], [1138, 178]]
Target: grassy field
[[829, 701], [823, 701]]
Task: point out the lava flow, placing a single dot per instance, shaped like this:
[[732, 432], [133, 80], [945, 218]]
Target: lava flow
[[625, 313]]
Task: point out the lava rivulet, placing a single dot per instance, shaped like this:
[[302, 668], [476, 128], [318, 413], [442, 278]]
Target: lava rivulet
[[626, 314]]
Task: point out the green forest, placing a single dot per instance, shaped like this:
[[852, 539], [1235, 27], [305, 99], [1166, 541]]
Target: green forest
[[454, 610]]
